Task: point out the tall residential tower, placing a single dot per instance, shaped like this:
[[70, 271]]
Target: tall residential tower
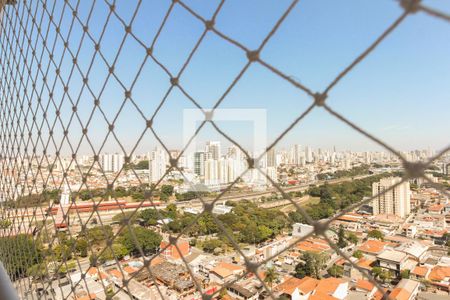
[[393, 202]]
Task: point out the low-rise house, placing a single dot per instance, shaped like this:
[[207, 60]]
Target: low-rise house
[[92, 273], [440, 277], [175, 276], [240, 292], [104, 278], [373, 247], [409, 230], [415, 250], [129, 270], [420, 272], [297, 289], [392, 260], [225, 272], [313, 245], [139, 290], [406, 289], [172, 252], [364, 262], [330, 287], [437, 235], [301, 230], [366, 287], [221, 209], [436, 209], [91, 296], [272, 248], [115, 274]]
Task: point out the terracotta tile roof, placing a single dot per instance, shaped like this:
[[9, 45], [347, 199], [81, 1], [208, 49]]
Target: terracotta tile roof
[[378, 296], [373, 246], [436, 207], [116, 273], [222, 272], [420, 271], [435, 232], [349, 218], [365, 263], [328, 285], [156, 261], [364, 285], [91, 296], [92, 271], [308, 284], [399, 294], [313, 245], [321, 296], [304, 285], [224, 269], [129, 269], [289, 285], [439, 273], [231, 267]]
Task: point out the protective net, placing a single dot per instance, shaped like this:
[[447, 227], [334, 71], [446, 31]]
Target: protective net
[[75, 225]]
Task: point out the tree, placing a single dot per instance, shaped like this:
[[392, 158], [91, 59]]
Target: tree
[[405, 274], [150, 216], [66, 267], [63, 252], [171, 211], [311, 265], [358, 254], [19, 253], [271, 276], [82, 246], [375, 234], [255, 234], [118, 251], [210, 245], [342, 243], [123, 217], [5, 223], [336, 271], [385, 276], [142, 165], [37, 271], [146, 239], [352, 238], [296, 217], [376, 272], [99, 234], [167, 189]]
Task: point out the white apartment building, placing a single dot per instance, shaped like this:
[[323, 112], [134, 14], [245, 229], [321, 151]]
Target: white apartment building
[[157, 164], [112, 162], [213, 150], [394, 202]]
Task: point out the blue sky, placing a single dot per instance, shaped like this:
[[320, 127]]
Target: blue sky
[[400, 93]]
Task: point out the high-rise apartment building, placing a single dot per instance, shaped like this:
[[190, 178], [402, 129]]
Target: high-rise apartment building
[[211, 172], [297, 156], [271, 158], [112, 162], [393, 202], [199, 163], [213, 150], [157, 164], [308, 154]]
